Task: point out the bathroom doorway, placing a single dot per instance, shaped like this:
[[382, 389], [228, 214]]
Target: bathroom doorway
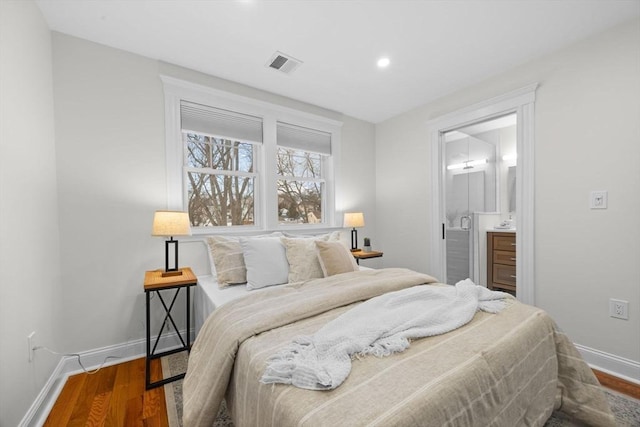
[[480, 208], [477, 157]]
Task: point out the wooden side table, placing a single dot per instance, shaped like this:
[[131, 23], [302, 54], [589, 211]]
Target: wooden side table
[[358, 255], [154, 282]]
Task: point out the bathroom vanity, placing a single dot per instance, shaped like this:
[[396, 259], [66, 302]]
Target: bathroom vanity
[[501, 260]]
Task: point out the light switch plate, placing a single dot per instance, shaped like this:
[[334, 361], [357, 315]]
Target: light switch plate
[[598, 200]]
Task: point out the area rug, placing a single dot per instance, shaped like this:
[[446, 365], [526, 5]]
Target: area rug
[[625, 408]]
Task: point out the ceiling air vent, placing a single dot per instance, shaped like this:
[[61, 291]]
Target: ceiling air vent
[[284, 63]]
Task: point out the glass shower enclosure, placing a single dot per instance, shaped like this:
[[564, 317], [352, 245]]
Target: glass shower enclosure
[[470, 189]]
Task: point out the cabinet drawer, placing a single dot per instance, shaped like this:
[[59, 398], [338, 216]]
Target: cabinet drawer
[[504, 274], [504, 257], [504, 242]]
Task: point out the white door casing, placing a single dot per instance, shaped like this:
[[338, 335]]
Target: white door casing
[[521, 102]]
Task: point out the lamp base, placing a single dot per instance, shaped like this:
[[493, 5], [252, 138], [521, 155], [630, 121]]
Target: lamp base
[[172, 273]]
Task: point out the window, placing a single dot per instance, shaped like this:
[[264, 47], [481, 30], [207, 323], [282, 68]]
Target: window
[[219, 170], [220, 181], [300, 165], [241, 164]]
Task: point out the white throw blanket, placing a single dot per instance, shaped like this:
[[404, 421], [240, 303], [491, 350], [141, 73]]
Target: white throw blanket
[[380, 326]]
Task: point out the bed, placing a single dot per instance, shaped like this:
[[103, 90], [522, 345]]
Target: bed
[[209, 295], [507, 369]]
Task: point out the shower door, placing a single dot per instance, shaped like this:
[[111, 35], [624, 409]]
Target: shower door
[[468, 169]]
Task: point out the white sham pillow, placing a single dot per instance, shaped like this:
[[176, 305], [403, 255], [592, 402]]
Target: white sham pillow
[[265, 261]]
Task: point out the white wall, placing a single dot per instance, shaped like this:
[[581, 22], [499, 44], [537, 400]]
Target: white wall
[[358, 170], [111, 177], [30, 287], [586, 138], [110, 144]]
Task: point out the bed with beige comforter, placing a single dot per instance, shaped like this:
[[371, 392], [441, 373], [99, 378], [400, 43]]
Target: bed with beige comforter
[[507, 369]]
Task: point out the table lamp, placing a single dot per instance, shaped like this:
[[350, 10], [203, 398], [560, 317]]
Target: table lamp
[[169, 224], [354, 219]]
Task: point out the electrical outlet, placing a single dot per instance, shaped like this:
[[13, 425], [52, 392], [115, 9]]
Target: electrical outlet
[[31, 342], [619, 309], [598, 200]]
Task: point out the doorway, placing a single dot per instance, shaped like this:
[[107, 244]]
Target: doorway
[[480, 207], [477, 157]]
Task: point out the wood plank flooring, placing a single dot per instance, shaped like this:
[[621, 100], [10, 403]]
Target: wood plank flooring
[[114, 396], [618, 384]]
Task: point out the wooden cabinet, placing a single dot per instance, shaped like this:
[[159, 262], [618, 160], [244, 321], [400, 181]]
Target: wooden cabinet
[[501, 261]]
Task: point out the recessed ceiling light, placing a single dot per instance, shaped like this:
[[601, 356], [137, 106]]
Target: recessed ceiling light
[[383, 62]]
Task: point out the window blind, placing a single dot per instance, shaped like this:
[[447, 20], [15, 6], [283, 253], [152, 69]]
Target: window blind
[[305, 139], [217, 122]]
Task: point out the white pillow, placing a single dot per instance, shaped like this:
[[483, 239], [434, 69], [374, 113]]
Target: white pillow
[[265, 260], [302, 255], [227, 260]]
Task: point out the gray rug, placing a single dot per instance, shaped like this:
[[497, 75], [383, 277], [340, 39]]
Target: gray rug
[[625, 408]]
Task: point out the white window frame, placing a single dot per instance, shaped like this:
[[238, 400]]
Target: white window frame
[[266, 200]]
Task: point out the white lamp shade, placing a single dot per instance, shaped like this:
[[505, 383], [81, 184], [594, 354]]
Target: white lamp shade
[[354, 219], [171, 223]]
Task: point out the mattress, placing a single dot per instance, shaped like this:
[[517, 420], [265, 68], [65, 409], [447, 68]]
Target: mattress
[[209, 296]]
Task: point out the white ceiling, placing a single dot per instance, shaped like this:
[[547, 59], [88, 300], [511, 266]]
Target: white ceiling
[[436, 46]]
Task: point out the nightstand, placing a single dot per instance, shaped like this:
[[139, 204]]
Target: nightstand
[[358, 255], [154, 282]]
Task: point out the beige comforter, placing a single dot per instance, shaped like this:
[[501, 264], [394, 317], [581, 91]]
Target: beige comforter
[[506, 369]]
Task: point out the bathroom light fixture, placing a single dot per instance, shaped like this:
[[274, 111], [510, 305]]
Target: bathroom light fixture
[[169, 224], [469, 164], [354, 219], [383, 62], [509, 157]]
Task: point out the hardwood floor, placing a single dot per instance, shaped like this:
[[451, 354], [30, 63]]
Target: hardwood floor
[[114, 396], [618, 384]]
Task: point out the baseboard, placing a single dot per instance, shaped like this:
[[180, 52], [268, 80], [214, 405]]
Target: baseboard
[[92, 359], [611, 364]]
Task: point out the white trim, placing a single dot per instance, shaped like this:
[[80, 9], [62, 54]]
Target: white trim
[[617, 366], [92, 359], [520, 101], [40, 408], [176, 90], [525, 213], [251, 105]]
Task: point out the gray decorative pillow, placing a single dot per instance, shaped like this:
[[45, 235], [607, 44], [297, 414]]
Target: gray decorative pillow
[[228, 260]]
